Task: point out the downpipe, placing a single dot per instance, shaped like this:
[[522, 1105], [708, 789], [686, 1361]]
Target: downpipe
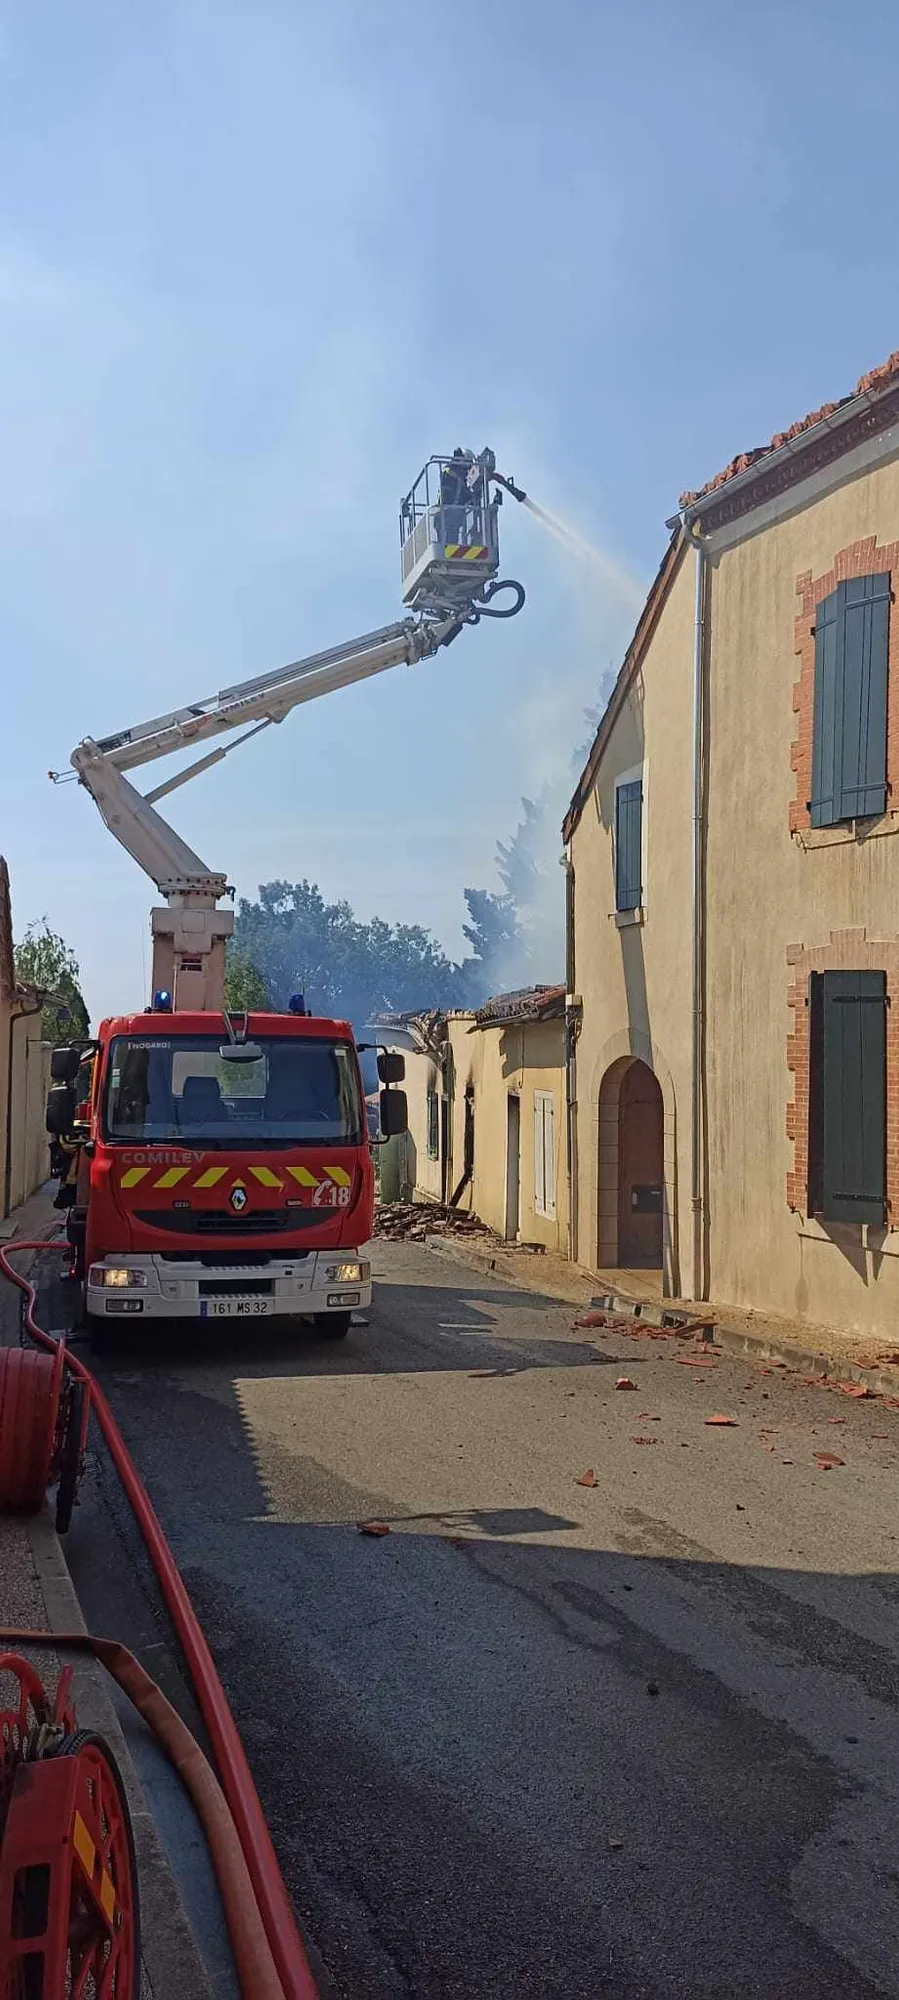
[[697, 1176], [571, 1174], [284, 1941]]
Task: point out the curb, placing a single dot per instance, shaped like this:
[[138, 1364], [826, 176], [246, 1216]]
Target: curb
[[882, 1381], [452, 1251], [170, 1958]]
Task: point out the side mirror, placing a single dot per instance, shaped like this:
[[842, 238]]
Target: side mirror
[[391, 1067], [394, 1113], [60, 1110], [65, 1064]]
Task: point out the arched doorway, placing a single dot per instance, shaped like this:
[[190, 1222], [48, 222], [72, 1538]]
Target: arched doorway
[[641, 1169]]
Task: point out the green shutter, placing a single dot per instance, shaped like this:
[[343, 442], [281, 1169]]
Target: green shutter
[[629, 845], [825, 773], [850, 708], [853, 1097], [815, 1093]]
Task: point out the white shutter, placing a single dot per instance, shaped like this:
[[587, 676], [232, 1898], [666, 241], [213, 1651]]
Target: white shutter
[[544, 1154], [539, 1169]]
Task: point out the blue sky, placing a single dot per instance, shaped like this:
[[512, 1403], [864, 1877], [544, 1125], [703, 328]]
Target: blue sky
[[258, 260]]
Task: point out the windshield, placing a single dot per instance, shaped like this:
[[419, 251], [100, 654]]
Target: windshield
[[181, 1088]]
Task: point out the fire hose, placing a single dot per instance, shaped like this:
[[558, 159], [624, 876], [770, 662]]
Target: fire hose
[[260, 1918]]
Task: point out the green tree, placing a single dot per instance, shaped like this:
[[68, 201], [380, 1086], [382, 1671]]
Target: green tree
[[298, 943], [500, 957], [245, 989], [43, 959]]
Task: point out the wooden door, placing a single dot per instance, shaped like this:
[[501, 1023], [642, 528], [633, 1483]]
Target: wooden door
[[640, 1168]]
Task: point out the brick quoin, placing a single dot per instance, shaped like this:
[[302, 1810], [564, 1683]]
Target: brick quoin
[[859, 559], [848, 951]]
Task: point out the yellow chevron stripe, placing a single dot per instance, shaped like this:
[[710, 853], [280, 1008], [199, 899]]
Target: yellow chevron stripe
[[83, 1845], [134, 1174], [266, 1178], [211, 1177], [304, 1177], [171, 1177], [338, 1174], [474, 554], [107, 1896]]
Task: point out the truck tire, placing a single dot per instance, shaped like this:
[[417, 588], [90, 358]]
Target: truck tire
[[332, 1326]]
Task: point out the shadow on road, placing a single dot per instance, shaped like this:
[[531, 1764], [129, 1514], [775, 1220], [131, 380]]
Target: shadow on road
[[465, 1335]]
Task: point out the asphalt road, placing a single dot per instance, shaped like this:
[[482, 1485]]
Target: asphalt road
[[637, 1739]]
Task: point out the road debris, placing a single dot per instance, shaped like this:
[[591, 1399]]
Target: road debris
[[729, 1422], [412, 1221], [696, 1360], [587, 1478], [615, 1843], [640, 1440], [826, 1460], [858, 1389], [624, 1382], [373, 1527]]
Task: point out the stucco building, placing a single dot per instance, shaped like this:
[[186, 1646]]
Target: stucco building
[[733, 892]]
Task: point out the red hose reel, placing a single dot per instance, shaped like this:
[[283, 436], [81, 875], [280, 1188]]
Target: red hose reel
[[44, 1411], [69, 1917]]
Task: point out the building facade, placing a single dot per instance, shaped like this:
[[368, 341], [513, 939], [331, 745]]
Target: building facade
[[734, 893]]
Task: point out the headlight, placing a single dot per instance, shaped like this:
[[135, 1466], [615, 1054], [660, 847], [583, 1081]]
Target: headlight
[[347, 1274], [118, 1276]]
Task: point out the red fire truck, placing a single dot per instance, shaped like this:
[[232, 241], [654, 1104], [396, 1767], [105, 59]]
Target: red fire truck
[[226, 1170], [220, 1164]]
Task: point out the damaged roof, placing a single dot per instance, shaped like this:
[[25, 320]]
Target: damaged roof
[[528, 1003]]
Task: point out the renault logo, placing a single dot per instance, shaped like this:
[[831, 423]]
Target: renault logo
[[238, 1198]]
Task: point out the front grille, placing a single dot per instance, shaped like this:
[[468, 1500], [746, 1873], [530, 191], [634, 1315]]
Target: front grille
[[214, 1288], [252, 1260], [224, 1222]]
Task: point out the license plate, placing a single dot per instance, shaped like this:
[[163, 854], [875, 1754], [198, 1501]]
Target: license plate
[[235, 1308]]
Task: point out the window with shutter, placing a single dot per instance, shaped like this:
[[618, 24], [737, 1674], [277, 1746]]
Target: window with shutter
[[544, 1153], [847, 1096], [850, 705], [629, 844]]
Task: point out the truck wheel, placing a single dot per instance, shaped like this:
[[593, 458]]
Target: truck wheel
[[332, 1326]]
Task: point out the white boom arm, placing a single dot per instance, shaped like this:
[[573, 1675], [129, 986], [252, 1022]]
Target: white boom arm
[[190, 933]]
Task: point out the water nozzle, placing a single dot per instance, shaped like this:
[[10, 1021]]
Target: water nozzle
[[517, 492]]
